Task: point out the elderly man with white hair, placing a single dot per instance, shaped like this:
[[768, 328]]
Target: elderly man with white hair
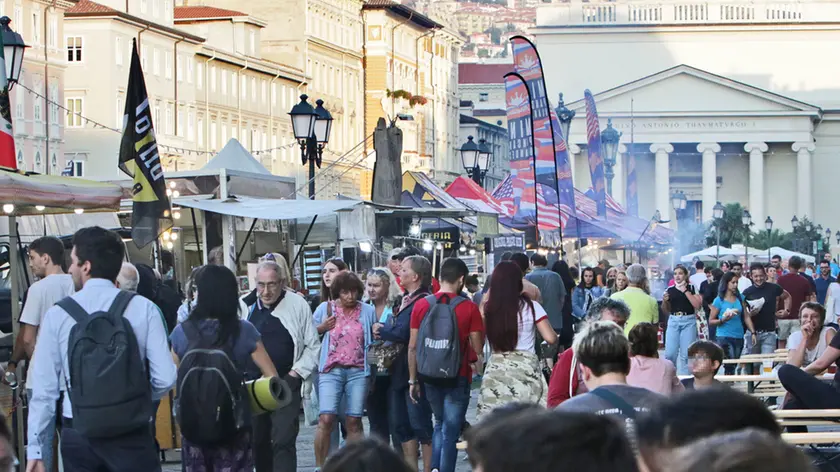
[[129, 278], [643, 307], [284, 320]]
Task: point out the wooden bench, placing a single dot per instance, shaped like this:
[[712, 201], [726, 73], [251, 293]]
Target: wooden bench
[[810, 439], [808, 417]]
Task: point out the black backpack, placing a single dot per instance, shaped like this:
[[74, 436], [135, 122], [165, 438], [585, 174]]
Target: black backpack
[[439, 347], [212, 405], [109, 384]]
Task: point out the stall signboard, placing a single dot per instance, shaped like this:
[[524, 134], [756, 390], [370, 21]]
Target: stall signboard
[[508, 243], [551, 239], [447, 237], [488, 225]]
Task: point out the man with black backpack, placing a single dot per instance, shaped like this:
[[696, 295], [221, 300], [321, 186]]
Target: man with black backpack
[[109, 348], [444, 327]]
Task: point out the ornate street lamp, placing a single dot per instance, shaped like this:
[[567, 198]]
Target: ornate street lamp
[[485, 153], [565, 116], [470, 159], [678, 201], [717, 213], [794, 222], [13, 50], [609, 141], [746, 220], [837, 236], [311, 127], [768, 225]]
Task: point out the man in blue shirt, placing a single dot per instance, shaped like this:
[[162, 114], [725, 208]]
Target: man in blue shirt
[[96, 261], [823, 280]]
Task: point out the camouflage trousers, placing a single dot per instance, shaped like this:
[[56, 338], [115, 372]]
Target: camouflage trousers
[[511, 377]]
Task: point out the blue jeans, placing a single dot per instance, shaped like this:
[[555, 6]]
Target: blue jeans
[[681, 332], [409, 421], [449, 405], [49, 437], [339, 383], [765, 343], [732, 348]]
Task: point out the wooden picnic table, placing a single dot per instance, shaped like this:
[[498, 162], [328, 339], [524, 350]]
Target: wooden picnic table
[[754, 381]]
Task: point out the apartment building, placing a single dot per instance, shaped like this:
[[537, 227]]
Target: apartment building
[[205, 79], [323, 38], [36, 115]]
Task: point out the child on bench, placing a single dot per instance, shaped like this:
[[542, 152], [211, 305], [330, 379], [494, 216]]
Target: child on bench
[[704, 360]]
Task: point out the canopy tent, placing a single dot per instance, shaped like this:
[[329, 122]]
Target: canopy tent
[[267, 208], [424, 190], [235, 156], [586, 223], [37, 195], [711, 253], [56, 194], [469, 193], [784, 253]]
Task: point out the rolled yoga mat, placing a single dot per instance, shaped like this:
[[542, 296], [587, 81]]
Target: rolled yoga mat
[[268, 394]]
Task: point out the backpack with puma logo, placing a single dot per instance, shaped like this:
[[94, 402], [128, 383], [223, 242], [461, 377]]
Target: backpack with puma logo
[[439, 345]]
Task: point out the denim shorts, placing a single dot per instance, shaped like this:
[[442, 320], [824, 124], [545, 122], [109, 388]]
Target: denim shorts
[[348, 382]]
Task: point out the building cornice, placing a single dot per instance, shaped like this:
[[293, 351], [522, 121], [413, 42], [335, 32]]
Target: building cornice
[[138, 22], [253, 63], [334, 47], [693, 27]]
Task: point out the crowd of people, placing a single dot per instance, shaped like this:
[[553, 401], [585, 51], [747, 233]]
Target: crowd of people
[[405, 349]]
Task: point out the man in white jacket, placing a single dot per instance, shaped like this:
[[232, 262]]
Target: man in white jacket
[[285, 323]]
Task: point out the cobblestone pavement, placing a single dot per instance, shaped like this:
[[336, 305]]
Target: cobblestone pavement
[[305, 447]]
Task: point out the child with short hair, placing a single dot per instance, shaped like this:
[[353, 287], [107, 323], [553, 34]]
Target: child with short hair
[[705, 359]]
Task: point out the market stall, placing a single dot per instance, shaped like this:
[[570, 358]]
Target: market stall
[[32, 194]]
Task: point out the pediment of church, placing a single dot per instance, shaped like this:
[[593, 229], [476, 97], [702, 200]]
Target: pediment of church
[[685, 90]]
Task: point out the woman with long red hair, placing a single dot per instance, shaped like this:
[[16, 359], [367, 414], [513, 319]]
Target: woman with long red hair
[[511, 320]]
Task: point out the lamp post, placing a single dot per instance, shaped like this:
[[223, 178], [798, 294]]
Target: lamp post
[[768, 225], [565, 116], [609, 141], [746, 220], [474, 158], [678, 201], [485, 153], [13, 50], [311, 127], [717, 213]]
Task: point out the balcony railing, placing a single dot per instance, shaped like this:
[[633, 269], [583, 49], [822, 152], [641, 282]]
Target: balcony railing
[[677, 13]]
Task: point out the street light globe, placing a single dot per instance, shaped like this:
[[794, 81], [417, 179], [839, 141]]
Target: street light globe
[[174, 236], [472, 252], [176, 214], [414, 229], [746, 218], [79, 211], [8, 208], [718, 210], [464, 248], [794, 222], [439, 246], [768, 224], [427, 246]]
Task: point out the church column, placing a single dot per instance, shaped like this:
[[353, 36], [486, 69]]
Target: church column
[[803, 152], [757, 151], [709, 185], [663, 178], [619, 185], [574, 150]]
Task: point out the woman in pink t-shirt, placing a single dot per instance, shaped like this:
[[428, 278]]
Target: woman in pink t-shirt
[[343, 368], [647, 370]]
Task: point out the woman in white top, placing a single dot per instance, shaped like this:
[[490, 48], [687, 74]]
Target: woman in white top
[[511, 321], [808, 344]]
